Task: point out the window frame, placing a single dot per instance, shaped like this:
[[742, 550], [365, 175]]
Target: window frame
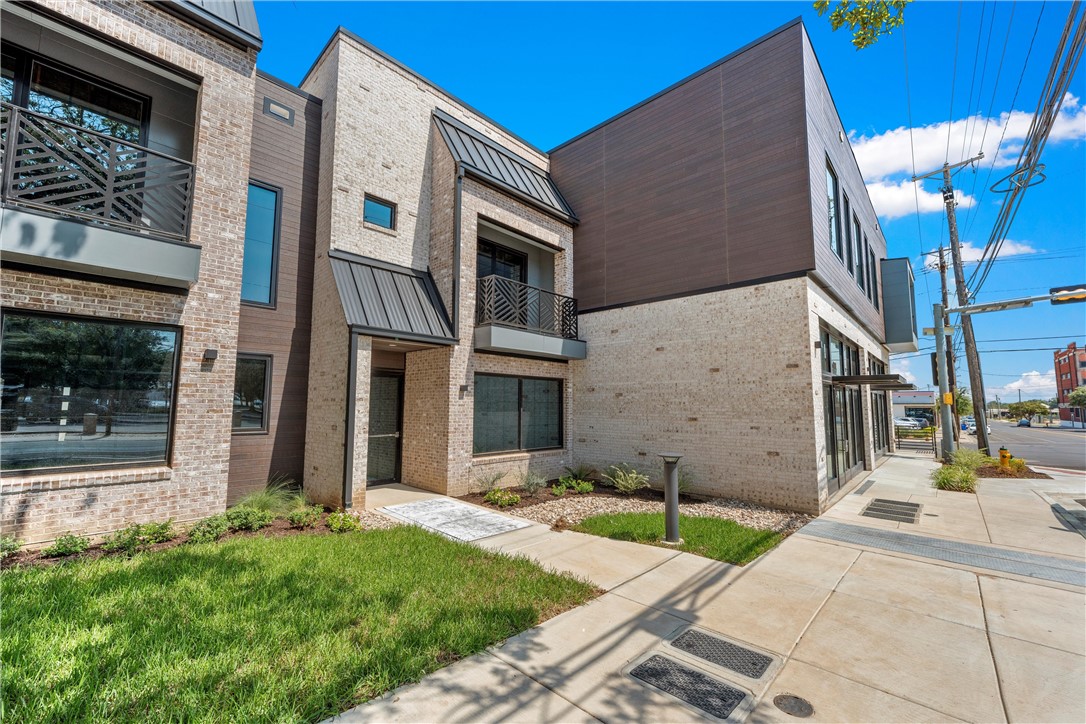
[[496, 246], [167, 460], [874, 278], [520, 414], [847, 241], [273, 293], [366, 198], [836, 243], [265, 420], [25, 59]]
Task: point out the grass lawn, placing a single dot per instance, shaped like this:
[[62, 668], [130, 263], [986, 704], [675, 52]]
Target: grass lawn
[[724, 540], [258, 629]]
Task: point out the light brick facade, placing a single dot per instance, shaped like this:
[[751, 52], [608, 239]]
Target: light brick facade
[[38, 508]]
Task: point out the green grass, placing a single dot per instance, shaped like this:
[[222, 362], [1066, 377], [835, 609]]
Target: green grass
[[724, 540], [257, 629]]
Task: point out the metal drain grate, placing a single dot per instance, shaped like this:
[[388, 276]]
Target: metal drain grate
[[690, 685], [864, 486], [723, 653], [897, 510]]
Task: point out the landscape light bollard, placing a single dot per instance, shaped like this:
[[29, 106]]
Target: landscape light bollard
[[671, 498]]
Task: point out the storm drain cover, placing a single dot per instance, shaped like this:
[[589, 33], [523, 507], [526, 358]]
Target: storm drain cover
[[690, 685], [794, 705], [723, 653], [897, 510]]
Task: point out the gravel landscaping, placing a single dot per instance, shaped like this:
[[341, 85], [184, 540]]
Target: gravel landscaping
[[576, 509]]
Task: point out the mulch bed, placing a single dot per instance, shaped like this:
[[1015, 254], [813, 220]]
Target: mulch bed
[[276, 529], [545, 496], [996, 471]]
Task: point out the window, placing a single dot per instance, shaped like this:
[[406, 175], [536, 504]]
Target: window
[[85, 392], [861, 259], [849, 261], [258, 265], [378, 212], [252, 380], [494, 259], [874, 278], [517, 413], [832, 204]]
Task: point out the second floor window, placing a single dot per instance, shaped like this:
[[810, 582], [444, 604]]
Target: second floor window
[[832, 203], [495, 259], [261, 240], [378, 212]]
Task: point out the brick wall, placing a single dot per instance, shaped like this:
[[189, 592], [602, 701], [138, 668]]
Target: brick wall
[[39, 508]]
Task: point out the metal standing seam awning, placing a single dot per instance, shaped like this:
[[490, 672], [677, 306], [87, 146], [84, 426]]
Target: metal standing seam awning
[[500, 168], [877, 382], [391, 301]]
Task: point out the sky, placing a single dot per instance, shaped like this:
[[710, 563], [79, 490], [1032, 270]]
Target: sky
[[959, 78]]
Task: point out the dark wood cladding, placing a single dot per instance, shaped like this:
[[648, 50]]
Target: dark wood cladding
[[825, 140], [703, 186], [285, 156]]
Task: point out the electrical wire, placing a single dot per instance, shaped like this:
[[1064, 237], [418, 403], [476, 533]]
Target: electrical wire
[[953, 82], [973, 80], [912, 151]]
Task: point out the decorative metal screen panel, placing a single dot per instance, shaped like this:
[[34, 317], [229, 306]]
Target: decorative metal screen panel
[[511, 303], [65, 169]]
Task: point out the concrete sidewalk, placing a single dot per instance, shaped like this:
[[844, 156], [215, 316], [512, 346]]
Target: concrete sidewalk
[[848, 619]]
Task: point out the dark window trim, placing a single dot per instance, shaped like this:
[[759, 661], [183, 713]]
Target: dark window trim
[[849, 255], [520, 412], [836, 243], [178, 350], [523, 267], [21, 92], [268, 102], [274, 293], [266, 412], [861, 257], [384, 202]]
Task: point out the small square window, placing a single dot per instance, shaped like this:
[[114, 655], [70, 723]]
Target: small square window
[[378, 212]]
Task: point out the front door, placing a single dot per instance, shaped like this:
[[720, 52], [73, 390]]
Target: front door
[[386, 421], [840, 437]]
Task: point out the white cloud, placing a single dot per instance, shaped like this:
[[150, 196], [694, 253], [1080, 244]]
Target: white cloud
[[887, 154], [902, 367], [971, 253], [893, 200], [1034, 385]]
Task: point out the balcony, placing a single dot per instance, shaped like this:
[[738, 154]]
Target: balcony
[[80, 200], [514, 318]]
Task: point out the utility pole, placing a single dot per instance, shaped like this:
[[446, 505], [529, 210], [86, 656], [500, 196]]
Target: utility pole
[[972, 358], [944, 392], [950, 357]]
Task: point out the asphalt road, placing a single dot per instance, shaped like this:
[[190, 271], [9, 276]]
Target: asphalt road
[[1057, 447]]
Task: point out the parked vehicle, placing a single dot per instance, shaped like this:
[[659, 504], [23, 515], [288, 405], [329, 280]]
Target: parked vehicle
[[906, 423], [1024, 422], [972, 429], [919, 421]]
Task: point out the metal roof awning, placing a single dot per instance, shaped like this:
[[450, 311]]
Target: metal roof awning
[[391, 301], [877, 382], [499, 167]]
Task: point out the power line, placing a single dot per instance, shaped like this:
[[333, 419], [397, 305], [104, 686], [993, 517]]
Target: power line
[[953, 81], [973, 80], [912, 151]]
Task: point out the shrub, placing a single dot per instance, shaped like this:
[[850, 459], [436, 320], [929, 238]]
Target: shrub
[[583, 486], [532, 482], [582, 472], [281, 496], [307, 517], [489, 481], [342, 521], [971, 459], [559, 489], [8, 545], [67, 545], [501, 497], [242, 517], [1017, 465], [210, 529], [954, 477], [576, 485], [137, 537], [626, 479]]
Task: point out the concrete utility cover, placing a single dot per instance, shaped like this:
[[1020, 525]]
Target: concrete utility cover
[[454, 519]]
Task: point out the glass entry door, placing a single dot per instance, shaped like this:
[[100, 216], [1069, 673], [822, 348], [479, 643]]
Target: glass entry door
[[386, 423]]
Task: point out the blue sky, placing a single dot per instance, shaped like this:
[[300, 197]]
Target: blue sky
[[549, 71]]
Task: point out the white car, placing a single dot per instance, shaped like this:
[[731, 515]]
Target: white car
[[972, 429], [906, 423]]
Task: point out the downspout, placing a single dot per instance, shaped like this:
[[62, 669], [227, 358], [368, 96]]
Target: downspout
[[348, 447], [456, 251]]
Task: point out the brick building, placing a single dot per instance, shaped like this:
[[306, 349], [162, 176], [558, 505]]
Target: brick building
[[1070, 367], [211, 278]]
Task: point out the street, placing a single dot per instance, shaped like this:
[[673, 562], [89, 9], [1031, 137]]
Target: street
[[1057, 447]]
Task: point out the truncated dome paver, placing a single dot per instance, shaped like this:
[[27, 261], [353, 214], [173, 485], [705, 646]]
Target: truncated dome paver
[[689, 685], [723, 653]]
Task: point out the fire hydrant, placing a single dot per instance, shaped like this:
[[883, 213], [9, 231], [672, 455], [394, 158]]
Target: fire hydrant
[[1004, 457]]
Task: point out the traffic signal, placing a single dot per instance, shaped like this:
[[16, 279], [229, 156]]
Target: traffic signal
[[1068, 295]]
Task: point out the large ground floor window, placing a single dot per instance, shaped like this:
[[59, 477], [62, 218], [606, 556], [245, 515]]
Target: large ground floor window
[[80, 392], [517, 413]]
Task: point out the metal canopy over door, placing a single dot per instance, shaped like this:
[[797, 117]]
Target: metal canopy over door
[[386, 426]]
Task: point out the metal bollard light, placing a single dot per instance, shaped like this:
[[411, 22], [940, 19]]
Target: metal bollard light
[[671, 498]]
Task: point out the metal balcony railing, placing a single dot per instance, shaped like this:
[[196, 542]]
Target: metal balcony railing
[[71, 171], [510, 303]]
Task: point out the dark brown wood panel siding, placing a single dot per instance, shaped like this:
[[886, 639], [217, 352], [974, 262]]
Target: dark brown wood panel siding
[[701, 187], [828, 139], [285, 156]]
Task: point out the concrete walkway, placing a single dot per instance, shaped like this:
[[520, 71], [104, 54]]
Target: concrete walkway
[[862, 631]]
